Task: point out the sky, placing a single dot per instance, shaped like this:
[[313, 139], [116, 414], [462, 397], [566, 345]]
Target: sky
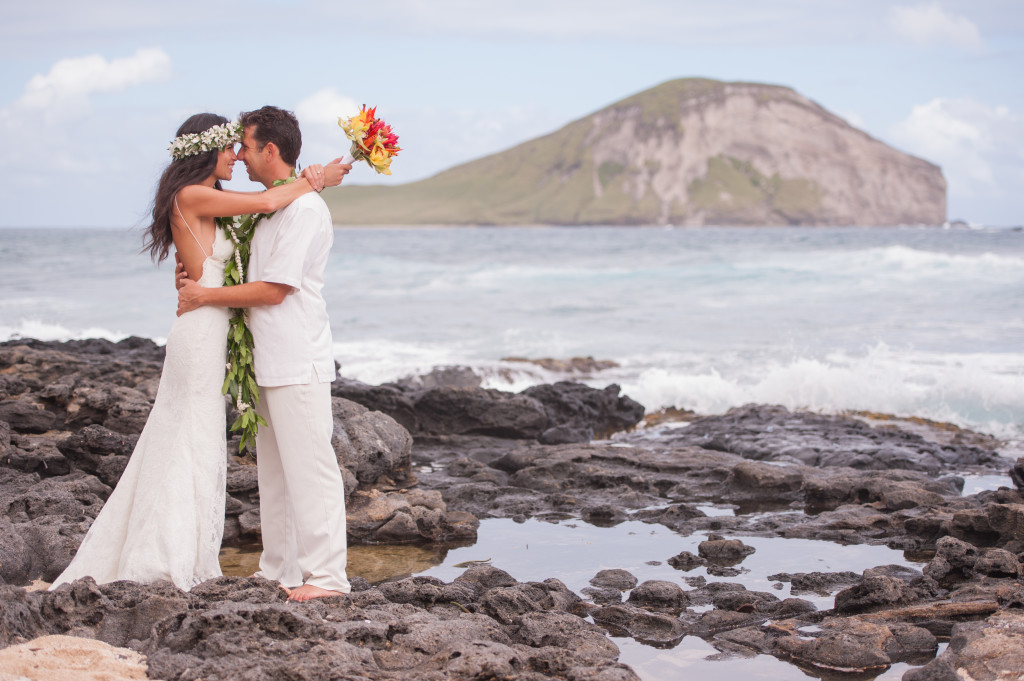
[[92, 92]]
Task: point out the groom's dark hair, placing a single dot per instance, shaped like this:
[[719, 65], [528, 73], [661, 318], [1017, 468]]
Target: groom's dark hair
[[277, 126]]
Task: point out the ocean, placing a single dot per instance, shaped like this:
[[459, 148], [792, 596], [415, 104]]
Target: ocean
[[909, 321]]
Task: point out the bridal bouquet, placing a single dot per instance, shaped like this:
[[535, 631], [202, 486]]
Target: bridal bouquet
[[373, 140]]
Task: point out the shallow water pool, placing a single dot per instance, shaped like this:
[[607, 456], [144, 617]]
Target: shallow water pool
[[574, 551]]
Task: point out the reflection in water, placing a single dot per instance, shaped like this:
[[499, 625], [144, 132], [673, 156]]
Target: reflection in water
[[373, 563], [379, 563], [240, 561], [574, 551], [695, 658], [979, 483]]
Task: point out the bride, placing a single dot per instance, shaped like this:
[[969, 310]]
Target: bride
[[165, 518]]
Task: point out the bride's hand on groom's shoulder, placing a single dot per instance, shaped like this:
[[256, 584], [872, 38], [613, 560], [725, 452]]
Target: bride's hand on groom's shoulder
[[314, 174]]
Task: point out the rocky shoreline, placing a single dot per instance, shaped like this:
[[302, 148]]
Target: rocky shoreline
[[425, 460]]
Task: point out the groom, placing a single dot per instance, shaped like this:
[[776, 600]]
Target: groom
[[302, 498]]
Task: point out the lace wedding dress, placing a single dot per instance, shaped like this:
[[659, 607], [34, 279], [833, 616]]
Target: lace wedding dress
[[165, 518]]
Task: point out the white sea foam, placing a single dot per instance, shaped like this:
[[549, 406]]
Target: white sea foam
[[458, 279], [377, 361], [48, 331], [984, 392], [883, 260], [921, 260]]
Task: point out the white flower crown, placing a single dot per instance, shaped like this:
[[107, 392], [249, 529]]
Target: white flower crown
[[215, 138]]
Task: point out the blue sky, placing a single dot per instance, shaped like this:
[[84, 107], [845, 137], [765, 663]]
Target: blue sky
[[91, 93]]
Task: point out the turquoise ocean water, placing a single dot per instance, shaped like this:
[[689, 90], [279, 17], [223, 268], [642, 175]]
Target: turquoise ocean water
[[912, 321]]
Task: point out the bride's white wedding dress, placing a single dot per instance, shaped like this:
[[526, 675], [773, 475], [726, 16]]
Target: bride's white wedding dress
[[165, 518]]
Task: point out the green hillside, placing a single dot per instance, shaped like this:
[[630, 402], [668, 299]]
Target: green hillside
[[529, 183], [546, 180]]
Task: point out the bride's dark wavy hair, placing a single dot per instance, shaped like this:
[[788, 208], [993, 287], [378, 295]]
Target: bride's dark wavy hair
[[180, 173]]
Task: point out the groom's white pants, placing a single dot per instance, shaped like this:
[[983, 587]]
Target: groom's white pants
[[302, 497]]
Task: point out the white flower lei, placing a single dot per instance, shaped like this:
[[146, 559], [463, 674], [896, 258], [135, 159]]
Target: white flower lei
[[215, 138]]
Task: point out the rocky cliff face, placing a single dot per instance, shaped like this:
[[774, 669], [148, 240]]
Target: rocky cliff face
[[688, 152], [743, 153]]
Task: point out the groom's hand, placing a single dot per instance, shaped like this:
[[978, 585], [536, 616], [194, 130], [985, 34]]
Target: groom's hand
[[329, 175], [335, 172], [180, 275], [188, 295]]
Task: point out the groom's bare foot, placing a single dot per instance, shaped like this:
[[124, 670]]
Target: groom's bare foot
[[308, 592]]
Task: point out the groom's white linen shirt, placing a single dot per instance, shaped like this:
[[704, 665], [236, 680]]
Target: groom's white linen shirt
[[293, 340]]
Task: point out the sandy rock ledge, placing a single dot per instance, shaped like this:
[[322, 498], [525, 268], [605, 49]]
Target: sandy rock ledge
[[70, 658]]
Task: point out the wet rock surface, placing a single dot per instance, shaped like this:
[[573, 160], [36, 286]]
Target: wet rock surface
[[989, 650], [770, 433], [423, 461], [449, 402], [244, 628], [910, 499], [817, 582]]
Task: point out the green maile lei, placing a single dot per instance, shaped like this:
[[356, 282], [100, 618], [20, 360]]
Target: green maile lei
[[240, 381]]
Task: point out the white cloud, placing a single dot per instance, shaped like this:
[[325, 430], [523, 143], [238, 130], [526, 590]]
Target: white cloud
[[931, 25], [980, 147], [49, 127], [322, 109], [54, 138], [70, 82], [322, 139]]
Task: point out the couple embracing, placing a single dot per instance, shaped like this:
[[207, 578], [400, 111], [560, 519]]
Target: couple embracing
[[165, 518]]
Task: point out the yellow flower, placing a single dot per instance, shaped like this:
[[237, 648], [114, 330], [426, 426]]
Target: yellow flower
[[354, 127], [380, 159]]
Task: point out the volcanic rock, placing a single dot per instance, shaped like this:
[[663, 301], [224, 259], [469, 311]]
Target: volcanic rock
[[872, 593], [659, 595], [770, 433], [577, 412], [620, 580], [990, 650], [724, 551]]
